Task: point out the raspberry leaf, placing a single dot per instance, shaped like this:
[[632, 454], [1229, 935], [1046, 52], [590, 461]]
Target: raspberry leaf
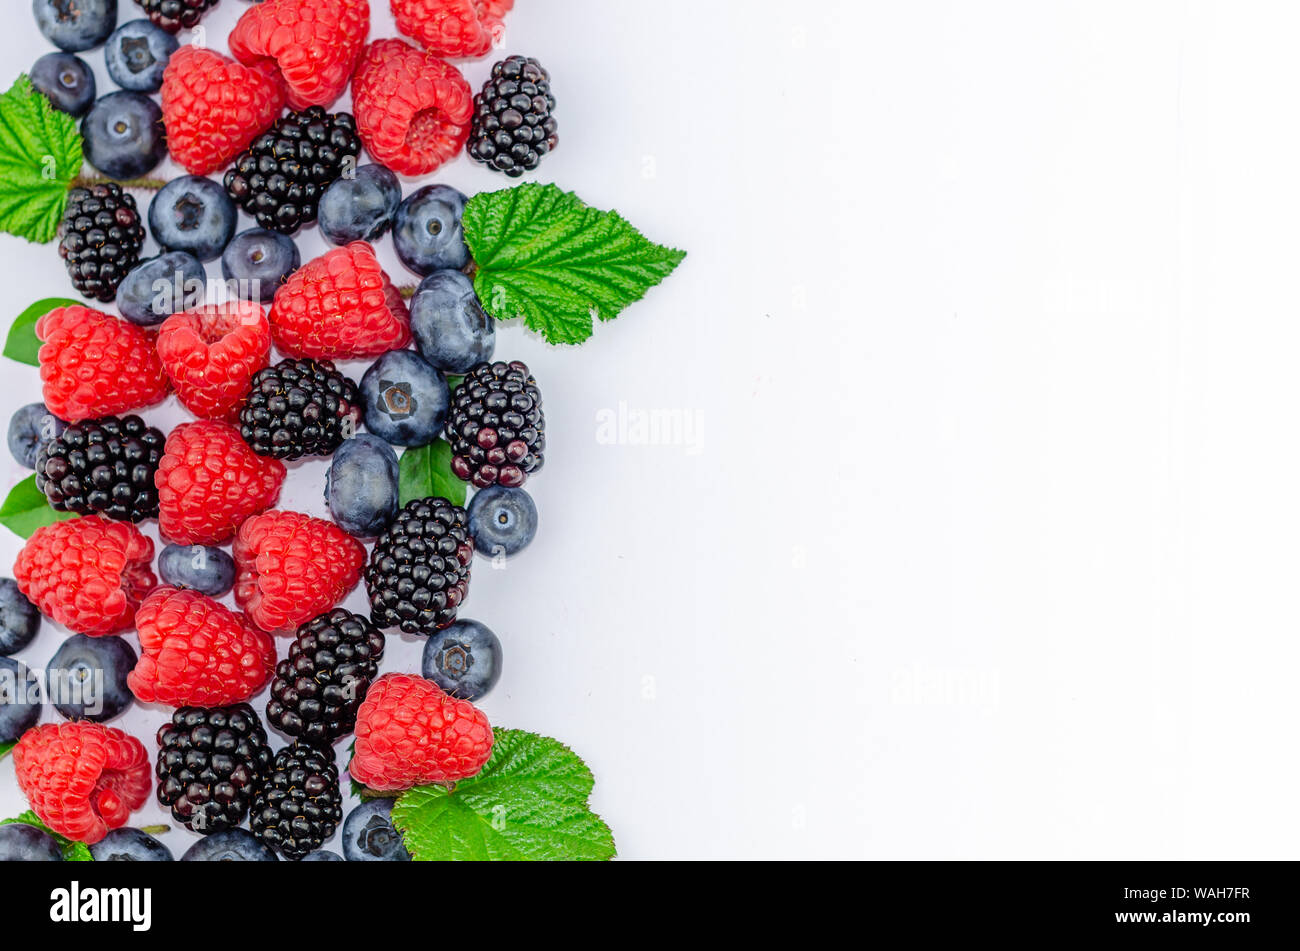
[[544, 255], [26, 509], [72, 851], [529, 802], [425, 471], [22, 344], [40, 155]]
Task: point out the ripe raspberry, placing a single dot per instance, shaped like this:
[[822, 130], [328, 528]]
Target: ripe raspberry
[[409, 733], [211, 353], [453, 28], [82, 778], [291, 567], [413, 110], [88, 574], [213, 107], [314, 44], [95, 365], [338, 306], [197, 652], [209, 482]]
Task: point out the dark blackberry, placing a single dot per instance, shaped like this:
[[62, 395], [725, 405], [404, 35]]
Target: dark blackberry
[[496, 427], [513, 126], [102, 467], [299, 408], [211, 763], [280, 178], [418, 574], [318, 687], [172, 15], [101, 239], [300, 804]]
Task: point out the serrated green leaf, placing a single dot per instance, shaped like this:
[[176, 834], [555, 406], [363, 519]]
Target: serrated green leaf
[[40, 155], [544, 255], [72, 851], [425, 471], [26, 509], [22, 344], [529, 802]]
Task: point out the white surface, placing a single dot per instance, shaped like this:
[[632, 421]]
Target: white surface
[[982, 545]]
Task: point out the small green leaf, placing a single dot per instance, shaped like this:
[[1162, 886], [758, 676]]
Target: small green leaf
[[425, 471], [22, 344], [26, 509], [40, 155], [6, 747], [72, 851], [544, 255], [529, 802]]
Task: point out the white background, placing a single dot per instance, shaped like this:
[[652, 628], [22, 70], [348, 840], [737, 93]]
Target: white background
[[982, 543]]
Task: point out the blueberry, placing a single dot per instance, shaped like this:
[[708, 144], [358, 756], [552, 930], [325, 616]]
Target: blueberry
[[428, 231], [361, 486], [28, 428], [193, 214], [19, 619], [75, 25], [20, 699], [260, 260], [502, 521], [229, 845], [360, 208], [23, 843], [130, 845], [207, 570], [406, 399], [369, 836], [451, 329], [137, 53], [464, 659], [156, 288], [86, 677], [67, 81], [322, 855], [123, 135]]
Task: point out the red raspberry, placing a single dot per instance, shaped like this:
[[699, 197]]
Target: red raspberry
[[87, 574], [211, 353], [291, 567], [409, 733], [213, 107], [196, 652], [95, 365], [413, 110], [340, 305], [81, 778], [453, 28], [209, 482], [315, 43]]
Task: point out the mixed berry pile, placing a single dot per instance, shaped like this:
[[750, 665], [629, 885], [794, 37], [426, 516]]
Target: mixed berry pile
[[260, 134]]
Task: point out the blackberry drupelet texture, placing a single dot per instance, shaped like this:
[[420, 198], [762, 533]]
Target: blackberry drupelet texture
[[300, 804], [102, 237], [418, 574], [102, 466], [173, 15], [299, 408], [496, 428], [211, 762], [513, 126]]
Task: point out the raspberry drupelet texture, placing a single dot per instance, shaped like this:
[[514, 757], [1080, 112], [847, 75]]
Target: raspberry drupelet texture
[[211, 353], [102, 467], [453, 28], [299, 408], [197, 652], [418, 573], [88, 574], [102, 234], [496, 427], [82, 779], [211, 762], [209, 482], [300, 803], [95, 365], [409, 732]]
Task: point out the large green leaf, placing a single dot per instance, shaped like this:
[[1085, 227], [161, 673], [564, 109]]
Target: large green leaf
[[40, 155]]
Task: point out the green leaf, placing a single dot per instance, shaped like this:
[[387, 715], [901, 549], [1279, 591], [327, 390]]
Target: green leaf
[[40, 155], [6, 747], [544, 255], [26, 509], [22, 344], [425, 471], [72, 851], [529, 802]]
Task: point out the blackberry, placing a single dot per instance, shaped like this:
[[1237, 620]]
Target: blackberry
[[102, 467], [318, 687], [496, 427], [171, 15], [101, 239], [299, 408], [418, 574], [211, 763], [300, 804], [513, 126], [280, 178]]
